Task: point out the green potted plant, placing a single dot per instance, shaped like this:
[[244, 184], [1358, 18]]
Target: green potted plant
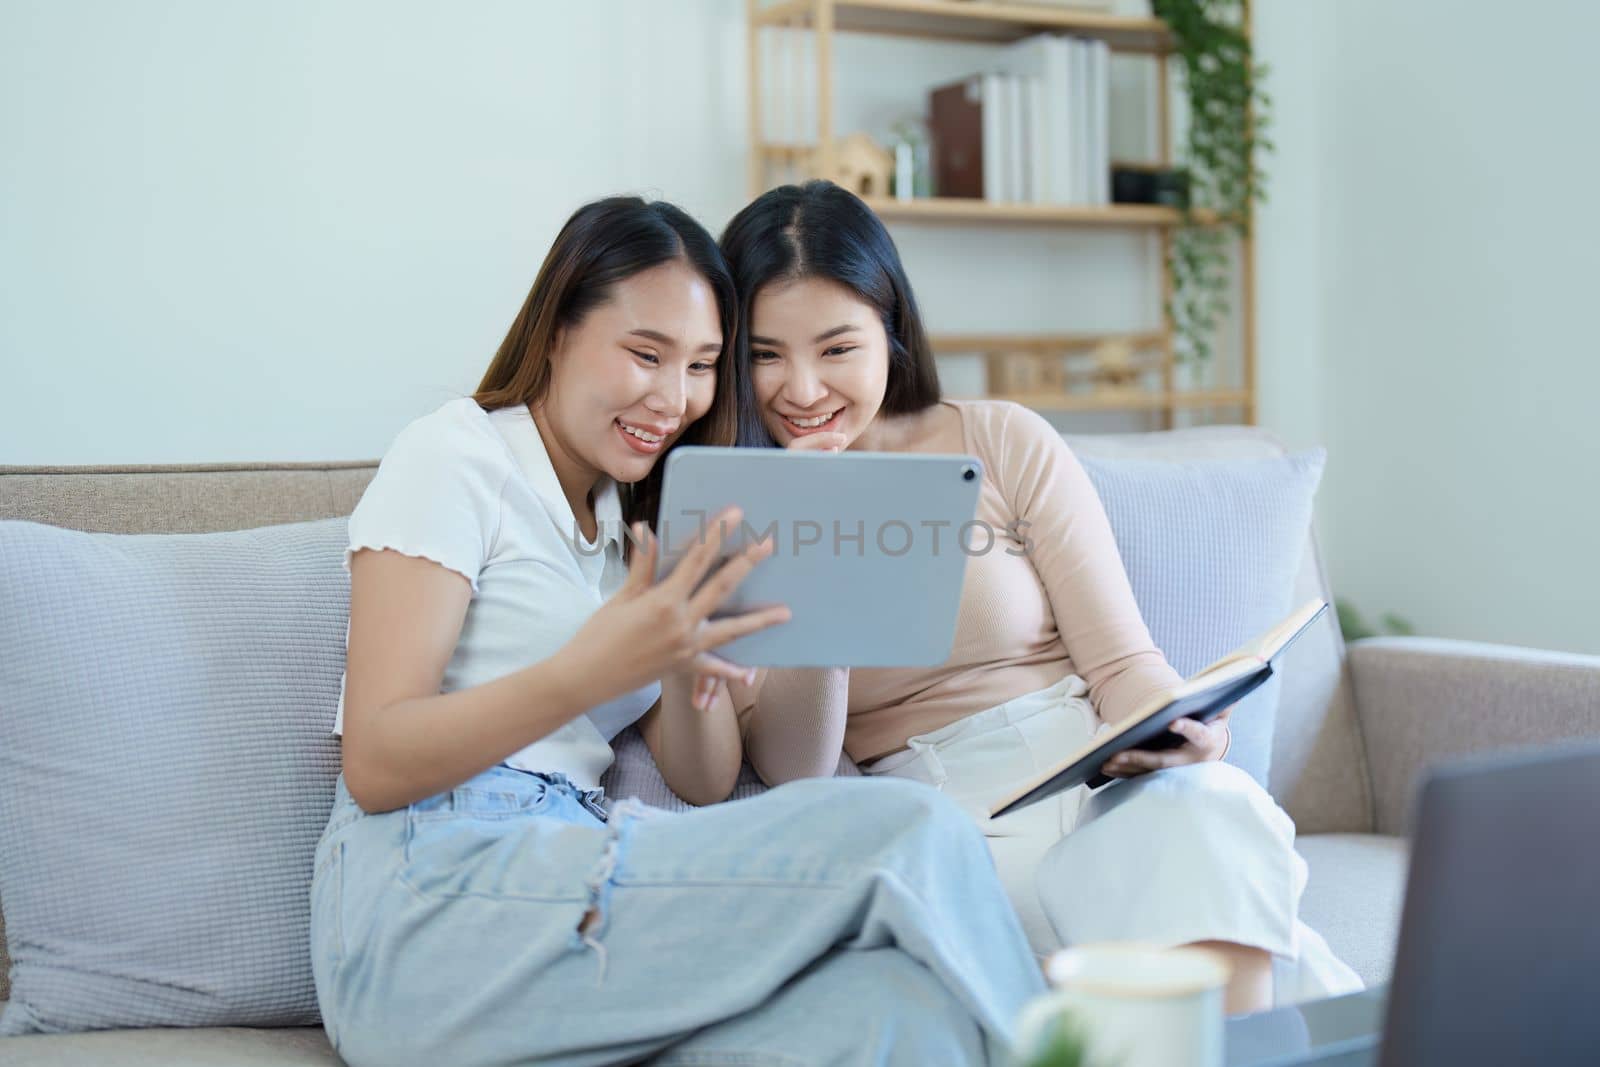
[[1228, 110], [1061, 1044], [1055, 1040], [1354, 625]]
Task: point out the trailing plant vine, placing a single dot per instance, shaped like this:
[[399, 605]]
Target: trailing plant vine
[[1228, 110]]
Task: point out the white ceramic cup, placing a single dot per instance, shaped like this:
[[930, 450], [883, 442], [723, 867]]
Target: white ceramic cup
[[1133, 1005]]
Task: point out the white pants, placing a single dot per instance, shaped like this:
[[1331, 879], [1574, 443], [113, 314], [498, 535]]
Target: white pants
[[1196, 853]]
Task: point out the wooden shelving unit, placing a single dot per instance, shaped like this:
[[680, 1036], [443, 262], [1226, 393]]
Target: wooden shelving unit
[[1126, 400], [999, 22], [970, 20]]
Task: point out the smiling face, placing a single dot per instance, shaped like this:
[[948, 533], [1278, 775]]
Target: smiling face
[[819, 360], [631, 376]]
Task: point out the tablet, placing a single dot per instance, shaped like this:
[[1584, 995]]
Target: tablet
[[870, 548]]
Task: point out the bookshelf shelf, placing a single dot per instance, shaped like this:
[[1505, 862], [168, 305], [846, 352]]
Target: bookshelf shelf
[[941, 209], [999, 22], [1041, 343], [972, 20], [1126, 400]]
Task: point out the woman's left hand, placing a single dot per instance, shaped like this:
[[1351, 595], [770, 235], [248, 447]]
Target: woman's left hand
[[703, 687], [1202, 743]]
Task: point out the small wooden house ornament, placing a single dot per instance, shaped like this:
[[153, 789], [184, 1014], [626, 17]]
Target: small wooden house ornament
[[860, 165]]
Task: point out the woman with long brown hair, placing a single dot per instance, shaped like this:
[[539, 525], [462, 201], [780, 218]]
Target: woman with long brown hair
[[476, 899]]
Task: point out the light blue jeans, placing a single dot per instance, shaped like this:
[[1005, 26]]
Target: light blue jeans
[[835, 921]]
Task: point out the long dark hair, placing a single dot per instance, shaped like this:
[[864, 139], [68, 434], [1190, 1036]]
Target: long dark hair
[[602, 244], [819, 230]]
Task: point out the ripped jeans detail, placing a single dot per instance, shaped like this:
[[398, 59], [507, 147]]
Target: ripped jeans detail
[[601, 880], [443, 859]]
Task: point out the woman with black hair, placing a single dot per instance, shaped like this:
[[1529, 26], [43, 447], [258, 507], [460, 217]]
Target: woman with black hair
[[1049, 644]]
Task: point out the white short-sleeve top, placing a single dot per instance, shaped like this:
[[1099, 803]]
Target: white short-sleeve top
[[474, 491]]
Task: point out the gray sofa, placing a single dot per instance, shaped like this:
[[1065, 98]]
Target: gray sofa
[[1357, 722]]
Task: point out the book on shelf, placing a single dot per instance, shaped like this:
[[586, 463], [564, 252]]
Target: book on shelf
[[1041, 57], [996, 149], [1036, 138], [1083, 139], [1014, 109], [955, 132], [1066, 120], [1038, 123], [1099, 124]]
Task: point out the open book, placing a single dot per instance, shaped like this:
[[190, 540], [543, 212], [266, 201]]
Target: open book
[[1203, 696]]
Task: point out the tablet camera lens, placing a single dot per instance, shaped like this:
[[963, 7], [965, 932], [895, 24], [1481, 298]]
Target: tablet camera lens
[[968, 473]]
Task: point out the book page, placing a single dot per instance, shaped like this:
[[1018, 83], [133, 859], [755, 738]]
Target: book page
[[1269, 644]]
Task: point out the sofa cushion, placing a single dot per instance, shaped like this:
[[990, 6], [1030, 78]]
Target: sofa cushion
[[1211, 548], [1353, 898], [197, 1047], [166, 769], [199, 498]]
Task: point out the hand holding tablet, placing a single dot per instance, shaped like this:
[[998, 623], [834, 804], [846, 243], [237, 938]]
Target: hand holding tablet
[[656, 623]]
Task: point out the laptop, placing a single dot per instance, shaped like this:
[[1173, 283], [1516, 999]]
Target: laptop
[[1499, 953]]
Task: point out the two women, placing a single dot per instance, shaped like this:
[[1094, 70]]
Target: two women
[[474, 899]]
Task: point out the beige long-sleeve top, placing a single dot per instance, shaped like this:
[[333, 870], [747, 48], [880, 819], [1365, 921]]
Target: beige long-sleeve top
[[1051, 598]]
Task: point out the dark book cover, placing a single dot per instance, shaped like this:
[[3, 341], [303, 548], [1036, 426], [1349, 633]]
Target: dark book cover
[[955, 128]]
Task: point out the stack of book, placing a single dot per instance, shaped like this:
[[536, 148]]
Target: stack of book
[[1034, 129]]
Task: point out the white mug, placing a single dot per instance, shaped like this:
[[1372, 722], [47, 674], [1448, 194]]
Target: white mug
[[1131, 1005]]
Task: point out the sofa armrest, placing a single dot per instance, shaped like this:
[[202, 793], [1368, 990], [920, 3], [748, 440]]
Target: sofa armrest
[[1422, 699]]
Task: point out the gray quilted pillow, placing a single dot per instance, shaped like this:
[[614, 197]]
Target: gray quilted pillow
[[166, 769]]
